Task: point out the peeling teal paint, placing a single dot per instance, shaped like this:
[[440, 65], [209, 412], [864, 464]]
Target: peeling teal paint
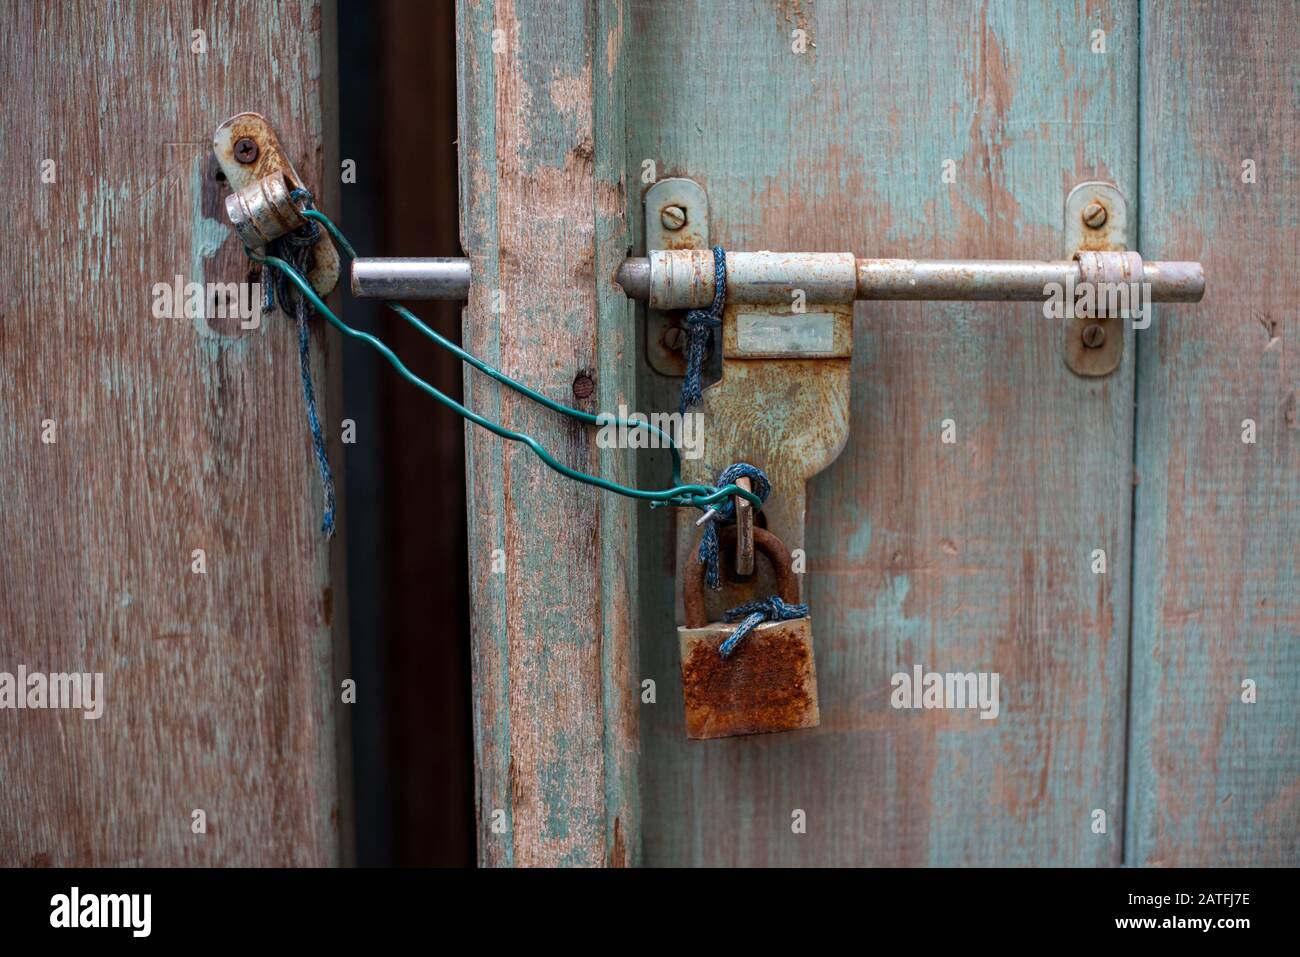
[[948, 556]]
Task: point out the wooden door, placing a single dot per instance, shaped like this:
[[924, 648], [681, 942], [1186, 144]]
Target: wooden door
[[1211, 779], [964, 557], [130, 443], [958, 531], [913, 128]]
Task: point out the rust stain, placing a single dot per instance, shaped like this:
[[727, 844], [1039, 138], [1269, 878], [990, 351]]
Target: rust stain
[[1104, 237], [793, 13], [768, 684], [765, 542]]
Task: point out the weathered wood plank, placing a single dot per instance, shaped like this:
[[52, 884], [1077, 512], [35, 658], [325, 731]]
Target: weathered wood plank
[[1213, 780], [542, 206], [966, 557], [172, 435]]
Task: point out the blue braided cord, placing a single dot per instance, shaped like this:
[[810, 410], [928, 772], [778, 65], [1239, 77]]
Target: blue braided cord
[[700, 324], [295, 248], [754, 614], [268, 289], [313, 418], [726, 514]]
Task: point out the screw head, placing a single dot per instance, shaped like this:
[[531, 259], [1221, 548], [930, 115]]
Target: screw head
[[1093, 335], [246, 150], [674, 339], [1094, 215], [672, 217]]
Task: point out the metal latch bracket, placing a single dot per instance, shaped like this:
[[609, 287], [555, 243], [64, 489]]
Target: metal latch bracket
[[676, 217], [1096, 220], [261, 178]]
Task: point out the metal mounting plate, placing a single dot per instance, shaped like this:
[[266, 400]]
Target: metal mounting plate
[[1108, 233], [664, 333], [270, 158]]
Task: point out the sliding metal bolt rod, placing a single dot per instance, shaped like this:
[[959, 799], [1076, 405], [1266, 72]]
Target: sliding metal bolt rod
[[410, 278], [1008, 280], [683, 279]]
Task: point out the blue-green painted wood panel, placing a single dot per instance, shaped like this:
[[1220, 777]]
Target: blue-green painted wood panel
[[1213, 779], [552, 644], [973, 556]]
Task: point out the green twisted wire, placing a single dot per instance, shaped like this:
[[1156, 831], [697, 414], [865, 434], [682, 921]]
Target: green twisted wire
[[698, 496]]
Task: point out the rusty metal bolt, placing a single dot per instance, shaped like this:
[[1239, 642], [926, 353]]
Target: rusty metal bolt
[[673, 217], [1093, 335], [583, 386], [1094, 215], [246, 150]]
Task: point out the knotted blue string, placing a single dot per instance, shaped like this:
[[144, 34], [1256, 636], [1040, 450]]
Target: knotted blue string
[[754, 614], [725, 514], [295, 248], [700, 324]]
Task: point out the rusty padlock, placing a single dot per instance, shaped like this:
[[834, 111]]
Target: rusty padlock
[[769, 682]]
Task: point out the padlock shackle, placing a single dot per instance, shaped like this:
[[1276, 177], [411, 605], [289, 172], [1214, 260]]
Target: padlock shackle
[[787, 585]]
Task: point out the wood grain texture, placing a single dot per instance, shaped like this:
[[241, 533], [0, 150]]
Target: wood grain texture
[[1212, 780], [542, 206], [173, 434], [965, 557]]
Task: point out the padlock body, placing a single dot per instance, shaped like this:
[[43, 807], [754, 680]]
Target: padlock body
[[769, 683]]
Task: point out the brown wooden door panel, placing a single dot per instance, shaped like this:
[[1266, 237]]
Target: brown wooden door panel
[[172, 435]]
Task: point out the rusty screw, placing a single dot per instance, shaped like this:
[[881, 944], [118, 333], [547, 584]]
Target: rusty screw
[[673, 217], [246, 150], [675, 338], [583, 386], [1093, 335], [1094, 215]]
